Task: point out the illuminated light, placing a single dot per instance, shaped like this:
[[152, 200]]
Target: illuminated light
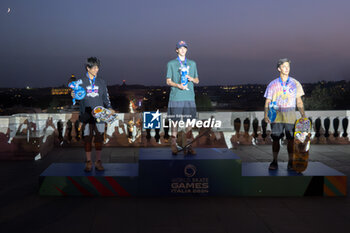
[[228, 88], [37, 157], [60, 91]]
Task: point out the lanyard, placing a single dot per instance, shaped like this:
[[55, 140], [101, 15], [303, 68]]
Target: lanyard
[[178, 58], [284, 86], [92, 83]]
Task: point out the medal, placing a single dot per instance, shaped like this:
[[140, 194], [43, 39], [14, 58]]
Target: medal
[[284, 86]]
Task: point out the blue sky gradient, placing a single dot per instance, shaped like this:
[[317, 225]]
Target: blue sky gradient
[[233, 42]]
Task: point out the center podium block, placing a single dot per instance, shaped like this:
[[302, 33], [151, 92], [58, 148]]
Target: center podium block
[[212, 172]]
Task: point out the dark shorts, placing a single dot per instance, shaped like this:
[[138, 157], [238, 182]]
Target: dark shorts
[[277, 130], [93, 130], [184, 110]]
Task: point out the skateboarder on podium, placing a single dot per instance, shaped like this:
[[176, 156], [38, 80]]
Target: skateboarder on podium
[[181, 76], [285, 93], [96, 95]]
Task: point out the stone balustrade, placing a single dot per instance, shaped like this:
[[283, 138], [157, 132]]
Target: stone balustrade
[[28, 136]]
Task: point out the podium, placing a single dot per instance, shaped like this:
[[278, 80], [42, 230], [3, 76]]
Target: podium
[[317, 180], [212, 172], [70, 179]]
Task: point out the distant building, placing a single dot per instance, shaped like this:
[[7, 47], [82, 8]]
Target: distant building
[[60, 91]]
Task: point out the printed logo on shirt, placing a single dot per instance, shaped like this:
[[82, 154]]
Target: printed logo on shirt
[[92, 93]]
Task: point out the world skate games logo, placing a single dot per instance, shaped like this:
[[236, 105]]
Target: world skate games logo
[[152, 120], [190, 183], [190, 170]]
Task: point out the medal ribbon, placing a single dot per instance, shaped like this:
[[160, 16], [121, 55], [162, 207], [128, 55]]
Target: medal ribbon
[[92, 83], [284, 86], [178, 58]]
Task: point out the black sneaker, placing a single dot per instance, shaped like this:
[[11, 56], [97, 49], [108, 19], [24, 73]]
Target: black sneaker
[[273, 165], [290, 165]]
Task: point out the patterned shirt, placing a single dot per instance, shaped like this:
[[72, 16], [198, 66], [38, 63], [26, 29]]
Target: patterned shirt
[[284, 95]]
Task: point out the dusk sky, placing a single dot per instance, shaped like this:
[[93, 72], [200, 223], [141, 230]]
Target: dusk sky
[[43, 42]]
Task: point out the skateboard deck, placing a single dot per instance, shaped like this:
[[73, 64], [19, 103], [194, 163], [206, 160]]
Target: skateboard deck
[[183, 144], [301, 148], [103, 114]]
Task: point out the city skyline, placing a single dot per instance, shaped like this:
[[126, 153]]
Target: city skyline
[[233, 43]]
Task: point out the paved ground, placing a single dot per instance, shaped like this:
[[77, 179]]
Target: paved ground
[[23, 210]]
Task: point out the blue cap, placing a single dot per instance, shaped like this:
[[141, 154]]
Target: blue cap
[[181, 43]]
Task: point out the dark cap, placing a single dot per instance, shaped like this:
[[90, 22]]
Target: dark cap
[[181, 43]]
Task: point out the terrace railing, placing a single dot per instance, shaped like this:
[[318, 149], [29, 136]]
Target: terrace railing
[[28, 136]]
